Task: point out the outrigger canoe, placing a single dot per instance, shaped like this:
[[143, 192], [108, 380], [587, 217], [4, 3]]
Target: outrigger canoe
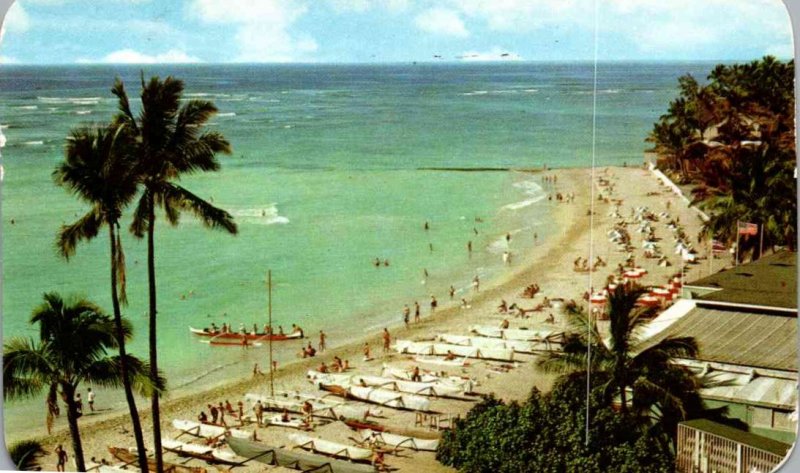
[[395, 441], [249, 336], [331, 449], [129, 457], [381, 397], [433, 389], [463, 383], [207, 431], [201, 452], [293, 459]]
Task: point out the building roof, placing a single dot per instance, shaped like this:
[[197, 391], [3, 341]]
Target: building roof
[[740, 436], [765, 388], [738, 337], [769, 281]]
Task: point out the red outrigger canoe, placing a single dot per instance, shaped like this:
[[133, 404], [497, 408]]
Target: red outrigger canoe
[[249, 336]]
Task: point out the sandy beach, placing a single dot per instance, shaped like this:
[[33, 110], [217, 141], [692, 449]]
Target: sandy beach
[[550, 266]]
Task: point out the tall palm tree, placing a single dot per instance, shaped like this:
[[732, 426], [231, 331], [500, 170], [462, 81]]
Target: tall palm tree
[[647, 373], [57, 364], [170, 143], [97, 170]]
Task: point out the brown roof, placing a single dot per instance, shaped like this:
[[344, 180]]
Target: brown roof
[[738, 337], [769, 281]]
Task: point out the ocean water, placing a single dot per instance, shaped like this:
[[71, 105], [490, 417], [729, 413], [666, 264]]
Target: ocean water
[[333, 166]]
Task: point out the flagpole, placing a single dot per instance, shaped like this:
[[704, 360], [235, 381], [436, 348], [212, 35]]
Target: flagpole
[[269, 311], [711, 257], [736, 261], [761, 244]]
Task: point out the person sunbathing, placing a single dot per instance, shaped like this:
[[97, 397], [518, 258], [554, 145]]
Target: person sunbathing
[[450, 356]]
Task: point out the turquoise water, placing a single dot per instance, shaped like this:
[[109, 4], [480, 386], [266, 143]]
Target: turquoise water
[[325, 177]]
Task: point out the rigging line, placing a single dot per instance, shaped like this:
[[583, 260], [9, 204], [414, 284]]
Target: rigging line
[[591, 228]]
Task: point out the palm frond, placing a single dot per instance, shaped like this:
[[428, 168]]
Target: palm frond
[[209, 215], [84, 229]]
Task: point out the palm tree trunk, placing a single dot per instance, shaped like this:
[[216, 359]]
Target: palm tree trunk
[[151, 283], [126, 382], [74, 431]]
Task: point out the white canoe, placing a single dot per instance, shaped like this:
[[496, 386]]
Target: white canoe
[[398, 441], [208, 431], [438, 360], [188, 449], [329, 448], [321, 407], [463, 383], [512, 334], [111, 469], [421, 388], [425, 348], [519, 346], [292, 423]]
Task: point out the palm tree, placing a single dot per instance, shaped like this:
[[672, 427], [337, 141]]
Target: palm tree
[[96, 170], [26, 454], [57, 364], [170, 143], [647, 373]]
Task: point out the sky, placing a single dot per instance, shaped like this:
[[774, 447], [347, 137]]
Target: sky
[[355, 31]]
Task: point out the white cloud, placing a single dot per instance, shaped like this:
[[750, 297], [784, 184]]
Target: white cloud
[[8, 60], [264, 27], [495, 54], [129, 56], [441, 21], [360, 6]]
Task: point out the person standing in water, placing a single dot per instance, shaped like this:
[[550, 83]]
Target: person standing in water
[[469, 247], [434, 303], [322, 338], [427, 227], [406, 314], [452, 292], [387, 340], [416, 312], [476, 283]]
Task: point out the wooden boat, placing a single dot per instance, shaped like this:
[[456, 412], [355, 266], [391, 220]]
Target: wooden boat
[[512, 334], [182, 449], [297, 460], [249, 336], [519, 346], [412, 387], [207, 431], [292, 423], [381, 397], [323, 408], [228, 342], [128, 456], [395, 441], [442, 349], [332, 449], [461, 382]]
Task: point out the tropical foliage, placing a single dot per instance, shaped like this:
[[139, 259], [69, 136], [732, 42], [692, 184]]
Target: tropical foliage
[[26, 455], [168, 141], [56, 364], [548, 434], [98, 171], [733, 139]]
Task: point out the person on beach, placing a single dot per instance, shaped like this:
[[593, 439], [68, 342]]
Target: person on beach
[[229, 407], [450, 356], [256, 370], [416, 312], [258, 410], [221, 410], [367, 356], [79, 404], [452, 292], [550, 319], [240, 405], [90, 399], [346, 365], [508, 238], [323, 368], [406, 314], [476, 283], [61, 458], [214, 413], [464, 304], [308, 412], [506, 257], [415, 376], [309, 351], [378, 461], [202, 417], [503, 307], [387, 340], [255, 328], [322, 338], [504, 324], [434, 303]]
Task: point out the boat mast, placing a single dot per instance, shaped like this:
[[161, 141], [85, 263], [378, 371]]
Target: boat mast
[[269, 312]]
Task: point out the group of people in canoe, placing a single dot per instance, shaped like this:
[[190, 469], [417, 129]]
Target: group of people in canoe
[[266, 330]]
